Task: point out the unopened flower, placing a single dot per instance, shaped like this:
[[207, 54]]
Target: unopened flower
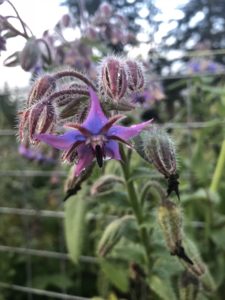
[[113, 233], [113, 78], [136, 80], [97, 137], [39, 118], [30, 55], [160, 150]]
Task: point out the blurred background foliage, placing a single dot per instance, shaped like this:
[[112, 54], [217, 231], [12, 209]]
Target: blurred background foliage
[[193, 113]]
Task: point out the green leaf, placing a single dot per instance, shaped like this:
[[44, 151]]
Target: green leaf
[[116, 274], [163, 288], [75, 210]]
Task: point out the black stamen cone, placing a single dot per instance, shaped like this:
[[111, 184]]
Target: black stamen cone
[[180, 252], [99, 155], [173, 185]]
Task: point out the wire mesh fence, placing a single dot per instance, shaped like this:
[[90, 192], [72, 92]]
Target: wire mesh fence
[[27, 213]]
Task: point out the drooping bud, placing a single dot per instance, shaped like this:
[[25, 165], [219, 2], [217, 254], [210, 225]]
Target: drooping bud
[[44, 86], [29, 55], [113, 78], [170, 221], [113, 233], [42, 117], [189, 286], [105, 183], [73, 183], [135, 73], [160, 150]]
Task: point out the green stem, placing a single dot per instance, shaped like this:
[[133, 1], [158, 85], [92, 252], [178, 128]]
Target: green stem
[[219, 169], [136, 206]]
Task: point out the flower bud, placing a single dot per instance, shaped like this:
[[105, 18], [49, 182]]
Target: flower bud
[[170, 221], [135, 73], [65, 20], [104, 184], [160, 150], [42, 87], [29, 55], [73, 183], [189, 287], [42, 117], [112, 234], [113, 78], [106, 10]]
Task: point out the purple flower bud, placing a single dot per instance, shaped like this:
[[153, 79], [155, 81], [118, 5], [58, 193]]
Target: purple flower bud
[[106, 10], [136, 80], [65, 20], [42, 87], [30, 54], [42, 118], [113, 78]]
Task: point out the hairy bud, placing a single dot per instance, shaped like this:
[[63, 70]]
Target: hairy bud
[[135, 73], [44, 86], [160, 150], [106, 10], [105, 183], [41, 119], [29, 55], [170, 221], [189, 286], [73, 183], [112, 234], [113, 78]]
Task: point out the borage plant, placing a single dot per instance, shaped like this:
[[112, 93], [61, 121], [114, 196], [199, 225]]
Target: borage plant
[[69, 112]]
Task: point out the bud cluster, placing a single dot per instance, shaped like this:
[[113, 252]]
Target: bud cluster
[[120, 78]]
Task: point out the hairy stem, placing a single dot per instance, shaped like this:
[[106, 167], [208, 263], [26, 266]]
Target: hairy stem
[[136, 205], [77, 75]]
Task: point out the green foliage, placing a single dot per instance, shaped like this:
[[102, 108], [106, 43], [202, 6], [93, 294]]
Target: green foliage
[[75, 210]]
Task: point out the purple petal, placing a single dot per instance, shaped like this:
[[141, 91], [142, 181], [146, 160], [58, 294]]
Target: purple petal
[[61, 142], [112, 150], [96, 117], [126, 133], [85, 158]]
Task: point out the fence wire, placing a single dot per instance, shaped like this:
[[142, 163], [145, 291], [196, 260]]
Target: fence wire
[[61, 256]]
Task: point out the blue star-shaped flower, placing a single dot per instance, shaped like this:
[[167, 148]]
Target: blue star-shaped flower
[[97, 137]]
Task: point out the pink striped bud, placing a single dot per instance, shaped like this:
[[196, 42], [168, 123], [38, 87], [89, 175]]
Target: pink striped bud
[[42, 87], [136, 80], [113, 78], [42, 118]]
